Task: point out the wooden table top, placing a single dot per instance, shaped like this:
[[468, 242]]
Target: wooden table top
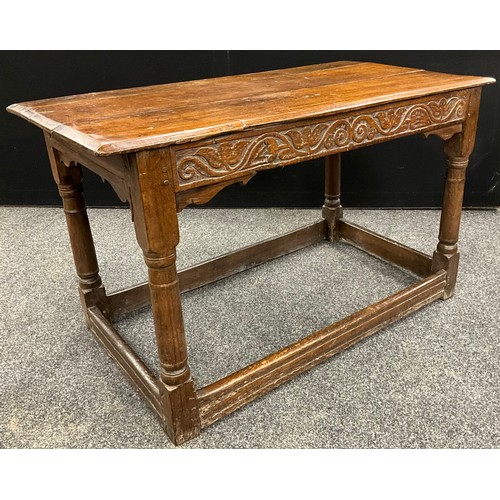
[[122, 121]]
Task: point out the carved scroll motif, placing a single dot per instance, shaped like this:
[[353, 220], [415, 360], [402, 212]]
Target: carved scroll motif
[[286, 146]]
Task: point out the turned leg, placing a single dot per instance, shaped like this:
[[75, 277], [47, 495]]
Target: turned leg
[[458, 149], [69, 183], [446, 255], [155, 218], [332, 209]]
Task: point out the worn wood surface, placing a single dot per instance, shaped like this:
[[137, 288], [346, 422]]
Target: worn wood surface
[[385, 248], [138, 373], [157, 233], [239, 153], [332, 209], [204, 194], [69, 183], [121, 121], [230, 393], [458, 149], [166, 146], [133, 298]]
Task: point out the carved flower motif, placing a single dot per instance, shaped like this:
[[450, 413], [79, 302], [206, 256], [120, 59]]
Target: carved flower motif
[[306, 136], [390, 119], [418, 118], [231, 152]]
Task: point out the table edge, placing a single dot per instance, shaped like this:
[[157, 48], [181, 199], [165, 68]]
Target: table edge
[[99, 148]]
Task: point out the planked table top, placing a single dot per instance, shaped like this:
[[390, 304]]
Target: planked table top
[[127, 120]]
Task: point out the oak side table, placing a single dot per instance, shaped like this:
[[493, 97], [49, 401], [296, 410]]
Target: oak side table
[[165, 147]]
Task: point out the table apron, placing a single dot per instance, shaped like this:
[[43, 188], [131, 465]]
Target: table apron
[[237, 155]]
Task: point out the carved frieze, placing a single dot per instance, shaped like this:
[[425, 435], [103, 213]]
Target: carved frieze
[[227, 156]]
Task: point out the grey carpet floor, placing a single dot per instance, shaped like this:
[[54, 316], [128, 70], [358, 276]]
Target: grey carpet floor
[[431, 380]]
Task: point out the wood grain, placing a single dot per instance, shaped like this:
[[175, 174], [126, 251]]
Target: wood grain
[[133, 298], [138, 373], [238, 154], [129, 120], [386, 249], [163, 147], [204, 194], [458, 149], [157, 233], [332, 209], [69, 183], [230, 393]]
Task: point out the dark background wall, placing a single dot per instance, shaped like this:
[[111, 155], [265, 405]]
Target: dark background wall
[[408, 172]]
